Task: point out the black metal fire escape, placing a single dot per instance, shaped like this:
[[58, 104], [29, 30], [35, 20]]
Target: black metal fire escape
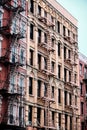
[[12, 65]]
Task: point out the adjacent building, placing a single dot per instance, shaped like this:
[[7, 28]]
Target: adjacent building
[[52, 96], [83, 90], [39, 66], [12, 64]]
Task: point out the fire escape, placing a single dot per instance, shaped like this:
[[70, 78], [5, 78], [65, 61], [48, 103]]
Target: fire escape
[[48, 98], [12, 59]]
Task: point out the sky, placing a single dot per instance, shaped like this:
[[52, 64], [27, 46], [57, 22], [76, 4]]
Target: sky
[[78, 8]]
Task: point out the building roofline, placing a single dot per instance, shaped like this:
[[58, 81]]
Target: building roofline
[[63, 11]]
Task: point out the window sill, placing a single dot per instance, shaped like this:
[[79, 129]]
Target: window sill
[[31, 95]]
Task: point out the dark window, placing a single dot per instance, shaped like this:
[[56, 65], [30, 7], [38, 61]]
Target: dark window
[[75, 78], [31, 6], [60, 120], [31, 57], [82, 104], [65, 74], [45, 14], [53, 117], [70, 99], [70, 123], [53, 41], [69, 76], [66, 122], [52, 92], [45, 63], [69, 54], [59, 47], [30, 85], [39, 36], [81, 85], [64, 31], [59, 95], [59, 71], [82, 125], [45, 89], [58, 26], [38, 115], [68, 32], [75, 100], [39, 88], [30, 114], [39, 61], [31, 31], [52, 66], [65, 97], [64, 52], [39, 10], [45, 37]]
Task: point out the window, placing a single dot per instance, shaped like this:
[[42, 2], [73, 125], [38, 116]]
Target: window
[[81, 86], [14, 54], [22, 56], [30, 113], [68, 32], [64, 31], [39, 36], [1, 14], [59, 95], [22, 29], [65, 74], [64, 52], [66, 121], [75, 78], [31, 31], [65, 97], [45, 90], [58, 26], [82, 104], [53, 42], [75, 100], [52, 66], [70, 123], [13, 83], [59, 120], [30, 85], [39, 88], [45, 37], [38, 115], [69, 54], [39, 61], [31, 57], [52, 92], [70, 99], [80, 69], [21, 85], [53, 117], [59, 71], [59, 47], [45, 63], [39, 10], [82, 125], [45, 14], [73, 36], [31, 6], [21, 116], [69, 76]]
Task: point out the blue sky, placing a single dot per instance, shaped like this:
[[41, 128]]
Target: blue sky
[[78, 8]]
